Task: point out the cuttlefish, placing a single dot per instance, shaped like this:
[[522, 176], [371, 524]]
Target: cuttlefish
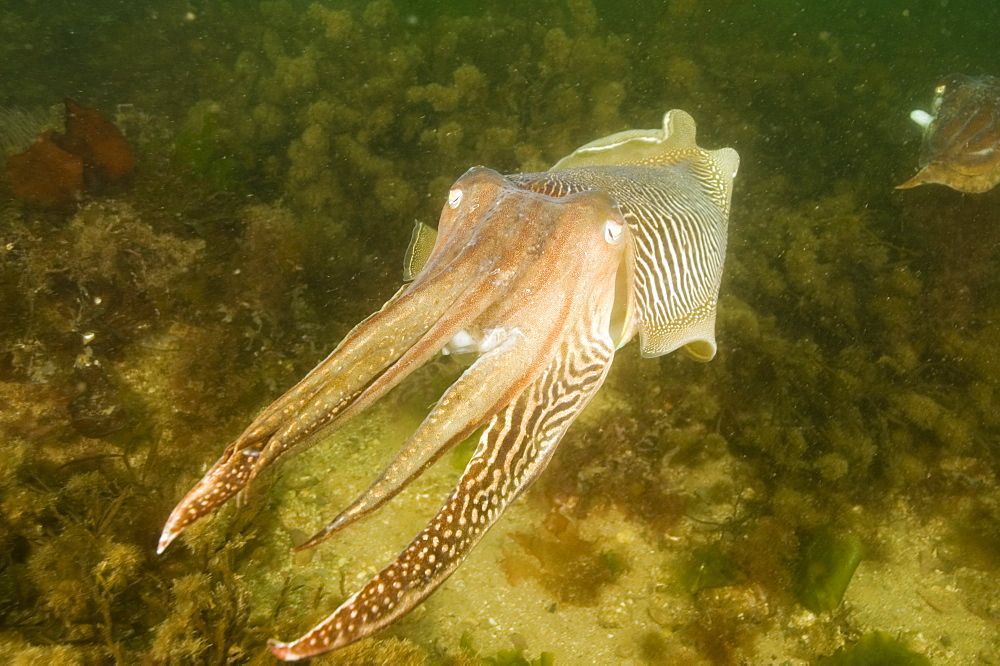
[[544, 276], [961, 144]]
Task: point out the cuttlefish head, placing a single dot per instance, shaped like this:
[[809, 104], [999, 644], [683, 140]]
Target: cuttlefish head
[[528, 249]]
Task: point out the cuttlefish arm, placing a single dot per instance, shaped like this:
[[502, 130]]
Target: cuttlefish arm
[[567, 274], [489, 384], [512, 452], [559, 335], [461, 278], [338, 388]]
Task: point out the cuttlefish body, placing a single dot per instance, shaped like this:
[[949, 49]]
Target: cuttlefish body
[[544, 275], [961, 144]]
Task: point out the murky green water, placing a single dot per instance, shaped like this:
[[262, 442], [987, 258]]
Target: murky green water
[[696, 513]]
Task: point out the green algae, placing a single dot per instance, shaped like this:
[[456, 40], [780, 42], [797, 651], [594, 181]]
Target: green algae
[[826, 565], [572, 569], [199, 147], [876, 648], [514, 657], [710, 567], [517, 658]]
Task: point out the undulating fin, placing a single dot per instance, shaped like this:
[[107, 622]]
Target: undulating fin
[[515, 447], [961, 144], [421, 245]]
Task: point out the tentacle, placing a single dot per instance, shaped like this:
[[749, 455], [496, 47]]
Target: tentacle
[[317, 414], [367, 351], [352, 349], [458, 259], [430, 295], [512, 452], [468, 403]]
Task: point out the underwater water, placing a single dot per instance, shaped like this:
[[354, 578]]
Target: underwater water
[[824, 491]]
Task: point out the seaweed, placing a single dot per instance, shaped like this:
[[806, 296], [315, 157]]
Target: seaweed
[[826, 565], [875, 648], [572, 569], [199, 147], [709, 567], [512, 657]]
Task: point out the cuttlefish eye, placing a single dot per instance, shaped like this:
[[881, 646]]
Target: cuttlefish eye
[[614, 231], [454, 197]]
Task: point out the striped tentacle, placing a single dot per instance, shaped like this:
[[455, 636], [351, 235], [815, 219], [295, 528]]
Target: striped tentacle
[[513, 450], [467, 404]]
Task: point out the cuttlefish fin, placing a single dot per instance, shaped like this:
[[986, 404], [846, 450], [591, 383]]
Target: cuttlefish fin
[[469, 402], [937, 173], [643, 147], [419, 251], [932, 173], [674, 143], [514, 449]]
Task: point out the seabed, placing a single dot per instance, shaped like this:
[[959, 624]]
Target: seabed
[[824, 491]]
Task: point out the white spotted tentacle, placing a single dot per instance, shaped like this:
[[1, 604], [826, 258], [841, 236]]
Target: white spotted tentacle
[[512, 452]]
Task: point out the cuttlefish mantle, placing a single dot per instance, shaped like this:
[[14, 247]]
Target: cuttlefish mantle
[[544, 276]]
